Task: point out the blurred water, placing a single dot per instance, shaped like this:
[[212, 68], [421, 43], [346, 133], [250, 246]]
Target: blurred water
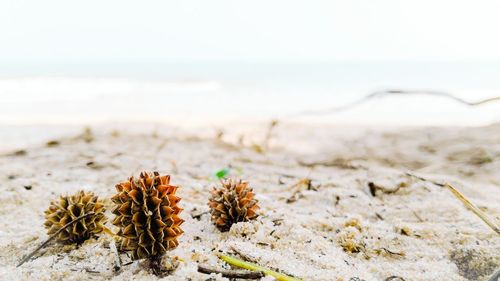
[[214, 92]]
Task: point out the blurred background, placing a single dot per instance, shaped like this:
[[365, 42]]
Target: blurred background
[[206, 62]]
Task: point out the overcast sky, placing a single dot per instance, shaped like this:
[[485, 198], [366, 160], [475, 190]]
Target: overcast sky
[[137, 31]]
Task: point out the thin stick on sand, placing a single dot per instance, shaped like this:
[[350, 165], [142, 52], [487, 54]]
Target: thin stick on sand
[[232, 273], [394, 92], [52, 237], [471, 206], [255, 267]]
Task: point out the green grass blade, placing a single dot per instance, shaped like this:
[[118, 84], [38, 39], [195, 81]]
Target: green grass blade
[[255, 267]]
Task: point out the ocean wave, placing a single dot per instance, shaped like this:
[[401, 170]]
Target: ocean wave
[[55, 89]]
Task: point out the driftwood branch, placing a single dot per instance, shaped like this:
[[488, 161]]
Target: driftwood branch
[[232, 273], [52, 237], [394, 92]]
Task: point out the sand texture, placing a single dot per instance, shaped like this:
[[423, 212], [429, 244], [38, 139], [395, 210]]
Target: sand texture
[[319, 220]]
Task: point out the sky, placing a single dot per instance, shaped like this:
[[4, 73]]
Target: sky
[[49, 48], [247, 31]]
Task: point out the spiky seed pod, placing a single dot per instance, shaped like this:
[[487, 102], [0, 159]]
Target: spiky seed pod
[[148, 215], [68, 208], [233, 202]]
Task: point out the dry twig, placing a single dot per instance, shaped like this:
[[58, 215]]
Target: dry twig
[[242, 255], [337, 162], [52, 237], [393, 92], [298, 186], [232, 273], [86, 269], [471, 206], [267, 138]]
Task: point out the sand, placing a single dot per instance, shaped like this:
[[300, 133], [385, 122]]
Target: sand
[[318, 218]]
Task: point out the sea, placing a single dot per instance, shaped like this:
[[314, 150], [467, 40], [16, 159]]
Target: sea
[[214, 92]]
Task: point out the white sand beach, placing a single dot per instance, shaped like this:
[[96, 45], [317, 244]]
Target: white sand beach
[[318, 218], [368, 131]]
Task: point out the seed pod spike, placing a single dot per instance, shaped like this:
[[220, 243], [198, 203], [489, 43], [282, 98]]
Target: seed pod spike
[[147, 214], [231, 203], [68, 208]]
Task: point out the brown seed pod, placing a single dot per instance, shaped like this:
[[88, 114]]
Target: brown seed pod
[[68, 208], [148, 215], [233, 202]]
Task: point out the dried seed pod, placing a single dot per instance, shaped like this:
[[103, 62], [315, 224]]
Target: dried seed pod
[[68, 208], [233, 202], [148, 215]]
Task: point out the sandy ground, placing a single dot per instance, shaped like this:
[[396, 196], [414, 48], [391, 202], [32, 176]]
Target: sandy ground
[[332, 228]]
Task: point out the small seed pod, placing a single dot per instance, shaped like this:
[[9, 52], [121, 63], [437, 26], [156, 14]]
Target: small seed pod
[[233, 202], [147, 215], [67, 208]]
